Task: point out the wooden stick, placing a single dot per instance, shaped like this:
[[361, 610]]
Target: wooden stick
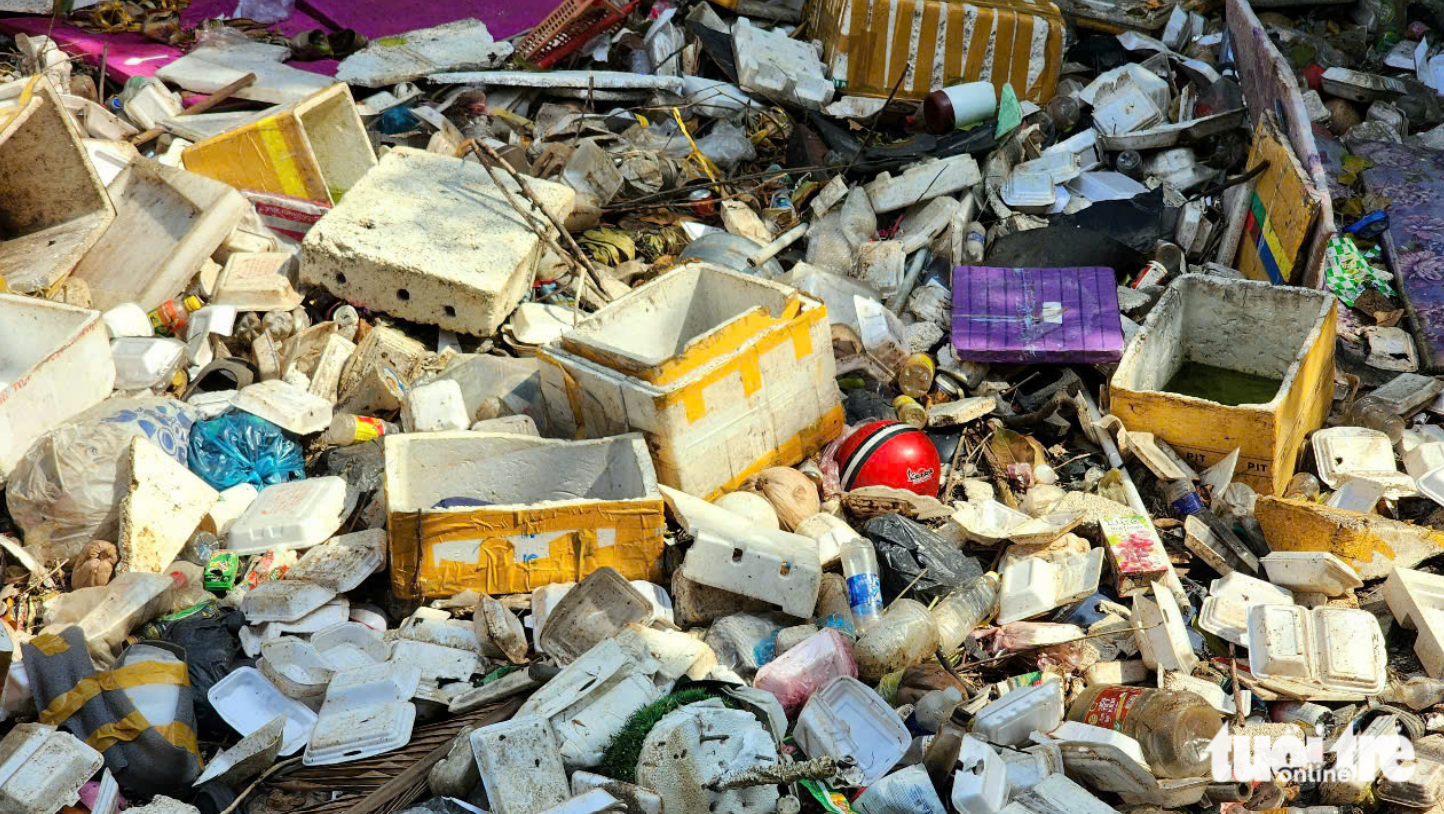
[[199, 107]]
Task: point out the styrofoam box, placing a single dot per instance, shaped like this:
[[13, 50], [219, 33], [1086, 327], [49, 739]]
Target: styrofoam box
[[54, 363], [1339, 649], [1359, 452], [145, 361], [981, 785], [349, 645], [1225, 610], [846, 718], [42, 769], [1009, 720], [1311, 572], [1087, 733], [297, 514], [367, 711], [284, 600], [785, 572], [342, 563], [725, 373], [436, 661], [246, 701], [521, 769]]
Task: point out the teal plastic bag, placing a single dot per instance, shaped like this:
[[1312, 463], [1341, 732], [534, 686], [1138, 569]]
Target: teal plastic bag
[[238, 448]]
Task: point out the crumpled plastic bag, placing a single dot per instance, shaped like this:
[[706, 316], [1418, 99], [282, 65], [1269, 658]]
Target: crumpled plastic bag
[[211, 640], [67, 489], [905, 548], [238, 448]]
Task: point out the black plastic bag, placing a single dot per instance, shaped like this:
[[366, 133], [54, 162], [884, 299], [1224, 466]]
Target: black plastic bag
[[905, 548], [211, 638]]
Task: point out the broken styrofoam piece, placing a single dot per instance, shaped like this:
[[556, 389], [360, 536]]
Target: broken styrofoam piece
[[207, 70], [637, 799], [981, 784], [250, 756], [1160, 632], [283, 600], [596, 801], [1358, 452], [436, 626], [847, 718], [595, 610], [1225, 610], [463, 45], [296, 514], [1358, 86], [697, 745], [1391, 349], [368, 711], [590, 700], [437, 661], [285, 405], [1311, 572], [520, 766], [257, 281], [573, 80], [772, 64], [1078, 732], [499, 633], [1056, 794], [246, 701], [922, 182], [165, 504], [1009, 720], [344, 562], [761, 566], [1217, 697], [1337, 649], [1032, 585], [434, 407], [988, 522], [1416, 599], [42, 769]]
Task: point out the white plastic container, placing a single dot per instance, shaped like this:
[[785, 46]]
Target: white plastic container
[[145, 362], [758, 565], [1311, 572], [1338, 649], [1029, 191], [1027, 768], [333, 612], [297, 514], [342, 563], [1225, 609], [42, 769], [286, 405], [1069, 731], [846, 718], [1009, 720], [246, 701], [980, 785], [1344, 452], [434, 407], [368, 711], [284, 600], [1106, 760]]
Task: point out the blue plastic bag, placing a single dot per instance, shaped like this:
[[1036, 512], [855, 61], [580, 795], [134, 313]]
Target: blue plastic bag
[[241, 448]]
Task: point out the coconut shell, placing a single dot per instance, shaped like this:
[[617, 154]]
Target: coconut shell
[[792, 494]]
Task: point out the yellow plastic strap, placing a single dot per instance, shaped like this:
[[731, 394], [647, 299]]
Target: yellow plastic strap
[[49, 644], [125, 730], [149, 672], [181, 736]]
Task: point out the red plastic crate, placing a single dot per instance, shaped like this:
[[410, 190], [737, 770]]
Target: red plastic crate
[[570, 26]]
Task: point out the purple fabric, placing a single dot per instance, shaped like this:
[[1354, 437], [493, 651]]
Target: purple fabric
[[1411, 178], [1036, 315]]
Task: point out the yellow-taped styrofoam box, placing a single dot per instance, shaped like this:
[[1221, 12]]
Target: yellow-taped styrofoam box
[[42, 769], [499, 513], [1274, 332], [53, 206], [725, 374], [432, 239], [167, 223], [54, 363], [316, 149]]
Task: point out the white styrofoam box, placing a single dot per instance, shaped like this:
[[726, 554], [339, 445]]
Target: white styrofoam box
[[521, 768], [344, 562], [296, 668], [980, 785], [846, 718], [436, 661], [368, 711], [589, 700], [1076, 731], [333, 612], [772, 64], [1056, 794], [1424, 458], [596, 610], [725, 373], [348, 645], [296, 514], [445, 631], [1338, 649], [126, 319], [1359, 452], [1416, 599], [1225, 609], [1009, 720], [783, 571], [944, 176], [434, 407], [284, 600], [285, 405], [246, 701], [432, 239], [1161, 634], [1311, 572], [1027, 768], [42, 769], [145, 362], [1106, 760], [1217, 697], [1033, 585]]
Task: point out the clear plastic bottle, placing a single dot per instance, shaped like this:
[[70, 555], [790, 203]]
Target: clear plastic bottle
[[965, 610], [187, 587], [1174, 728], [864, 585], [1376, 415], [916, 377], [348, 428], [904, 636], [1303, 486], [1419, 692]]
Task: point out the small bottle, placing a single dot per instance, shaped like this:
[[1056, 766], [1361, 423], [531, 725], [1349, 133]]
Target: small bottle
[[946, 388], [1173, 727], [909, 411], [347, 429], [1064, 112], [1130, 163], [1303, 486], [171, 317], [965, 610], [1374, 414], [948, 109], [904, 636], [1184, 501], [916, 377], [864, 586], [974, 243]]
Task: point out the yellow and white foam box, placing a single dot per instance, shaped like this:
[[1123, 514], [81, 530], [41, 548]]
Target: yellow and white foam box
[[725, 374], [315, 149], [934, 44], [502, 513]]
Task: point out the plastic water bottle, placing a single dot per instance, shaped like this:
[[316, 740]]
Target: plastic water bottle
[[864, 587], [965, 610]]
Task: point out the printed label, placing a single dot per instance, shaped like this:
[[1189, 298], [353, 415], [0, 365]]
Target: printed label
[[864, 592], [1111, 706], [368, 428]]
